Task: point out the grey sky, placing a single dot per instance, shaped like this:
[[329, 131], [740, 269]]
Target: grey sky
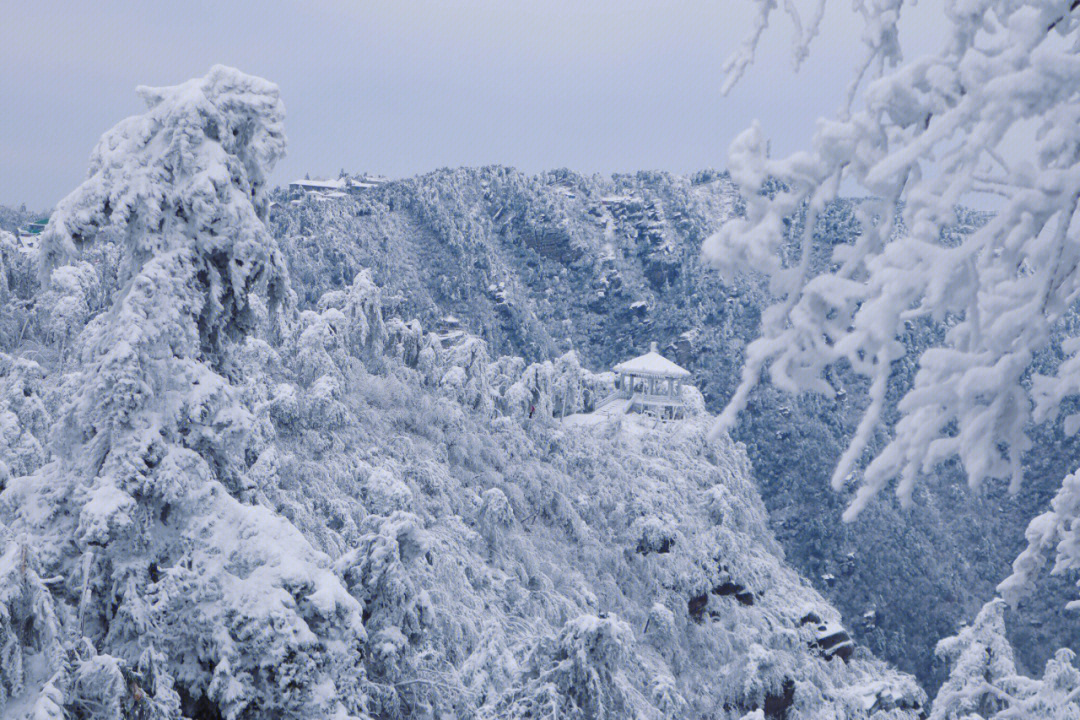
[[405, 87]]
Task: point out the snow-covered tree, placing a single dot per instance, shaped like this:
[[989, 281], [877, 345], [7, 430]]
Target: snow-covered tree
[[29, 628], [135, 516], [1056, 696], [920, 137], [567, 385], [24, 417], [68, 302], [577, 675], [984, 683], [980, 659]]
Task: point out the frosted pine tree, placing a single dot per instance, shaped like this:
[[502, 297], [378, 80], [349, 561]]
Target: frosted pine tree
[[69, 301], [24, 417], [980, 659], [135, 518], [1056, 696], [984, 683]]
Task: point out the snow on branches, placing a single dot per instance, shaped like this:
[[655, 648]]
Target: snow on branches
[[984, 682], [135, 518], [187, 176], [923, 137]]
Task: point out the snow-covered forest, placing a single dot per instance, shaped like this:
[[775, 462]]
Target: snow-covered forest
[[609, 264], [226, 498], [374, 448]]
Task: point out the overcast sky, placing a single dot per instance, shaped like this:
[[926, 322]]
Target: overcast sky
[[400, 88]]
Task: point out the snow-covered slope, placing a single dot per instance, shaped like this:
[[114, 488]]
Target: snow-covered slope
[[217, 504], [539, 264], [503, 565]]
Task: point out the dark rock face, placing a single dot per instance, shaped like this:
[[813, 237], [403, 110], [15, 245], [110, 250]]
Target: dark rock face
[[833, 641], [662, 546], [741, 594], [683, 349], [696, 607], [830, 640], [777, 704], [553, 244]]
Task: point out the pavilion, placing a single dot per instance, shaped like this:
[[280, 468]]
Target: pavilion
[[652, 384]]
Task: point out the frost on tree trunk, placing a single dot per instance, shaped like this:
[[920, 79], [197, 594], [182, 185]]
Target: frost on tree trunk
[[135, 519]]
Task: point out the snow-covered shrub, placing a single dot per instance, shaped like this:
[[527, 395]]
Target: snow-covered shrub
[[361, 303], [576, 675], [30, 631], [319, 344], [384, 493], [24, 417], [465, 378], [655, 535], [405, 341], [496, 515]]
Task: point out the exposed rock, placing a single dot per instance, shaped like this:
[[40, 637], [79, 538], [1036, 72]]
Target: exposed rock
[[777, 705], [740, 592], [696, 606], [832, 640]]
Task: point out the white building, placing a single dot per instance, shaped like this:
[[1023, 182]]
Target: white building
[[652, 384], [339, 187]]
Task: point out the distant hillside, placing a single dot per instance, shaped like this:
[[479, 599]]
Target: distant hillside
[[539, 264]]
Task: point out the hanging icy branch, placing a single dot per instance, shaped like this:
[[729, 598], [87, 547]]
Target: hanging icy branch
[[923, 136]]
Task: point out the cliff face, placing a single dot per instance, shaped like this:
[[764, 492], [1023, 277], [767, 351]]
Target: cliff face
[[514, 563]]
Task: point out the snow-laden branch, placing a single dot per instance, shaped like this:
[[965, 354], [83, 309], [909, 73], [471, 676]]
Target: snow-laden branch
[[918, 142]]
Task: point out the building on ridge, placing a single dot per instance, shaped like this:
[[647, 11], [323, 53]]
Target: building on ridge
[[652, 384]]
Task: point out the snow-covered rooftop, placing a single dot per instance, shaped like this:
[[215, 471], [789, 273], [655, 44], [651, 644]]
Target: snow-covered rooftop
[[319, 184], [340, 184], [652, 364]]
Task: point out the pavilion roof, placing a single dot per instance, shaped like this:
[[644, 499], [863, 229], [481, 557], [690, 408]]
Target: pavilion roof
[[652, 364]]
